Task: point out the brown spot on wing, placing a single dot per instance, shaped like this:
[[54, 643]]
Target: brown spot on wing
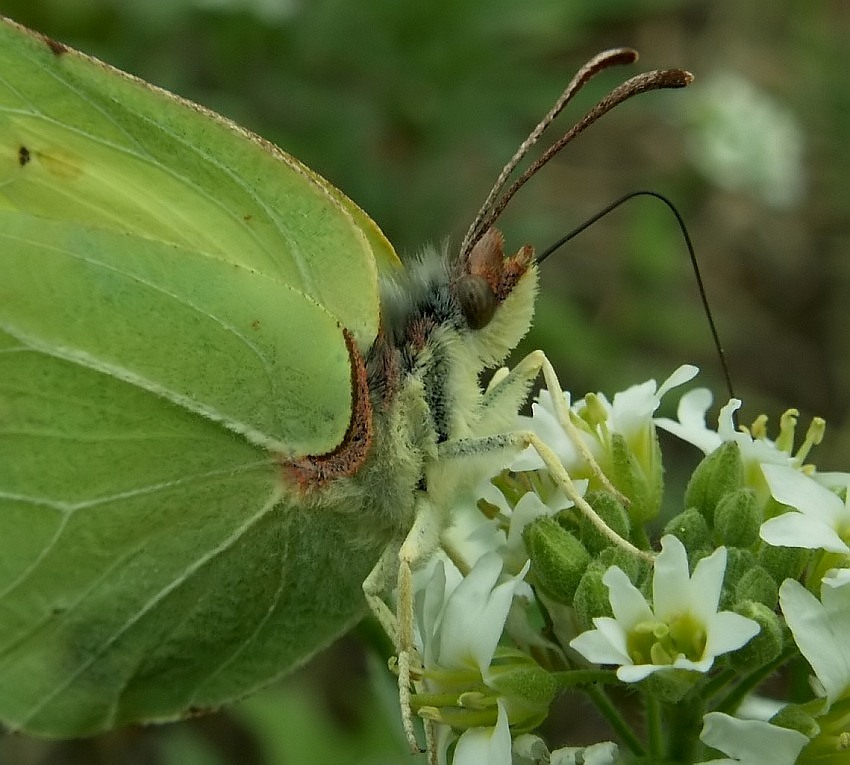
[[56, 48], [315, 471], [23, 156]]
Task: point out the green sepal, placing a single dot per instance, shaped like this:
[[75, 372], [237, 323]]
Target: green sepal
[[737, 518], [670, 685], [795, 717], [766, 645], [783, 562], [637, 569], [757, 585], [526, 688], [639, 477], [738, 563], [719, 473], [691, 528], [591, 598], [558, 559], [612, 513]]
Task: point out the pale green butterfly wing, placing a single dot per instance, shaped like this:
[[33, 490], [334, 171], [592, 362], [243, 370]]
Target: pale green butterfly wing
[[83, 143], [172, 298]]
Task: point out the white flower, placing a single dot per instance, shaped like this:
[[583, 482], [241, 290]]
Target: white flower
[[750, 742], [629, 415], [755, 450], [490, 745], [603, 753], [691, 426], [462, 618], [821, 629], [823, 520], [473, 534], [460, 622], [683, 628]]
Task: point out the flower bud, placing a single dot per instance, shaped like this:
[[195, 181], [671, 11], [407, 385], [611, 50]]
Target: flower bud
[[783, 562], [611, 512], [765, 646], [738, 563], [691, 528], [526, 688], [758, 585], [794, 717], [591, 598], [638, 475], [558, 559], [737, 518], [719, 473], [637, 569]]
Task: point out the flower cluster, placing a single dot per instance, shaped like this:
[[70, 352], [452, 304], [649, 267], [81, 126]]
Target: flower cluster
[[744, 578]]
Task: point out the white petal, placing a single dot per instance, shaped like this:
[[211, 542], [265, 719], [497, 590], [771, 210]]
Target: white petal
[[490, 745], [832, 480], [683, 374], [791, 487], [604, 753], [683, 662], [614, 633], [604, 645], [465, 621], [633, 408], [726, 420], [627, 602], [835, 596], [837, 577], [820, 633], [706, 584], [434, 585], [633, 673], [752, 742], [671, 580], [728, 631], [795, 529], [529, 508]]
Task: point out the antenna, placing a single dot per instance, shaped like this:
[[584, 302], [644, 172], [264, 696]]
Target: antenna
[[655, 80], [691, 253]]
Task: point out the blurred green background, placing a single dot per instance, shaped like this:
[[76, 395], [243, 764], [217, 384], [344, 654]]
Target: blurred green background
[[412, 107]]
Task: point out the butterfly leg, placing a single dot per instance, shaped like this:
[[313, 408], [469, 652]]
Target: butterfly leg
[[375, 586], [502, 395], [399, 562]]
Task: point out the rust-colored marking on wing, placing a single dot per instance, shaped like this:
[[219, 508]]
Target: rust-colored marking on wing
[[315, 471], [56, 48]]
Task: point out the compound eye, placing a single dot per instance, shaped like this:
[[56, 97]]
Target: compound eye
[[476, 299]]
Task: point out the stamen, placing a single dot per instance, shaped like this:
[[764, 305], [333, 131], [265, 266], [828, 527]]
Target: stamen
[[759, 427], [814, 435], [787, 427]]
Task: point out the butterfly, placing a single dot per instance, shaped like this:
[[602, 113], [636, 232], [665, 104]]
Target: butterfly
[[225, 403]]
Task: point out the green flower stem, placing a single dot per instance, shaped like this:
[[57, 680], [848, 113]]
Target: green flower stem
[[620, 727], [654, 725], [580, 677], [718, 683], [683, 725], [822, 562], [640, 538], [749, 683]]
